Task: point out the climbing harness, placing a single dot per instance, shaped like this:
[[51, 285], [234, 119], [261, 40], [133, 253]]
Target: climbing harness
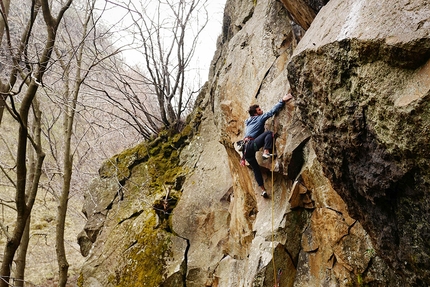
[[242, 145]]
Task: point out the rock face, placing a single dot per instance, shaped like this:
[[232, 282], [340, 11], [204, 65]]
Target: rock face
[[362, 86], [348, 190]]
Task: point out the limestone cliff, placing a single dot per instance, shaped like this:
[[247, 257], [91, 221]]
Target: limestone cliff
[[348, 190]]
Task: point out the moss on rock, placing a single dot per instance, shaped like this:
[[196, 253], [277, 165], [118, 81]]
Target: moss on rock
[[119, 165], [146, 172], [146, 259]]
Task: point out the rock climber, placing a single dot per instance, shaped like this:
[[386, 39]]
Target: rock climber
[[256, 137]]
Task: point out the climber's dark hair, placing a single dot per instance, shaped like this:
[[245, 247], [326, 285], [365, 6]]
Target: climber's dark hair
[[253, 110]]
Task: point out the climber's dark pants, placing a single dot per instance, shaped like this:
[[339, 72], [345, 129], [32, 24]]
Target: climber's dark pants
[[266, 140], [256, 169]]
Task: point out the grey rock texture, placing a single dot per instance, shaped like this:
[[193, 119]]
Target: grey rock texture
[[362, 86]]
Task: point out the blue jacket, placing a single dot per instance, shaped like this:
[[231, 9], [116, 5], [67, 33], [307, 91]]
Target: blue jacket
[[254, 125]]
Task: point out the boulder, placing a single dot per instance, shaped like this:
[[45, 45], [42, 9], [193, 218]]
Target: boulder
[[362, 89]]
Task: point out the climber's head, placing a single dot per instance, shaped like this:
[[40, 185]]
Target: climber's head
[[255, 110]]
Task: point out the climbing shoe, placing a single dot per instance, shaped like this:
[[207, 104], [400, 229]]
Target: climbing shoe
[[268, 155], [264, 194]]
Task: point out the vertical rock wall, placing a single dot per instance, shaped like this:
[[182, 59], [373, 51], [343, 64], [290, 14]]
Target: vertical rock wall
[[304, 232]]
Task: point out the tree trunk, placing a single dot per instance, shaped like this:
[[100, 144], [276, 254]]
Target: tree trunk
[[3, 88], [21, 256], [23, 246], [5, 6], [68, 123], [63, 265], [22, 211]]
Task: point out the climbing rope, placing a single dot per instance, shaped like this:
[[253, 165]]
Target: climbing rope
[[273, 203]]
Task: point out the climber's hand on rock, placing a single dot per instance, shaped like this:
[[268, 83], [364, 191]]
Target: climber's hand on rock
[[287, 98]]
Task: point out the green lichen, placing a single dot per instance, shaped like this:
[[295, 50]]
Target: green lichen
[[80, 281], [146, 260], [161, 155], [119, 165], [370, 252], [360, 279]]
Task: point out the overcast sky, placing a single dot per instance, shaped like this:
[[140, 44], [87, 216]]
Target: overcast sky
[[208, 40], [114, 12]]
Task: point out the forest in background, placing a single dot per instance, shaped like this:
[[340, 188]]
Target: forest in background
[[70, 97]]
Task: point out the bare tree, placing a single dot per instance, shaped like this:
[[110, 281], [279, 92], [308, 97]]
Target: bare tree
[[127, 91], [82, 48], [35, 72], [72, 72], [73, 61], [31, 75], [33, 172], [166, 34]]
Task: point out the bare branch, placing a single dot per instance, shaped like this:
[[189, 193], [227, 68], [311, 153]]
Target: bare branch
[[5, 231]]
